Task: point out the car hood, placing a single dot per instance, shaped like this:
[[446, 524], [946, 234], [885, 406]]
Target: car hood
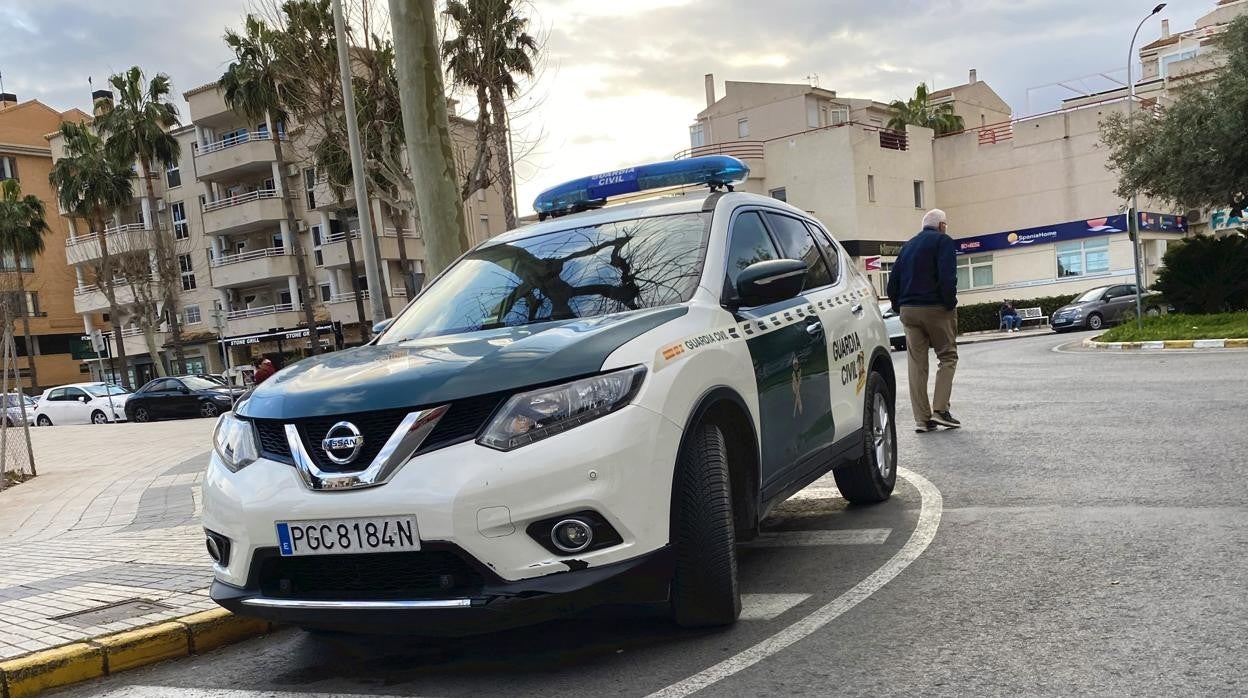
[[437, 370], [1076, 306]]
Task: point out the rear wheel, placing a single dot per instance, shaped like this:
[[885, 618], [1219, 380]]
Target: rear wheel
[[704, 588], [43, 421], [1152, 311], [872, 477], [98, 417]]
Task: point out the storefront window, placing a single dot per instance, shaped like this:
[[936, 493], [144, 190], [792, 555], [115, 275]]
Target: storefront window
[[1083, 257], [974, 272]]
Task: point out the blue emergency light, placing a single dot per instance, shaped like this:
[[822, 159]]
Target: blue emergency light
[[715, 171]]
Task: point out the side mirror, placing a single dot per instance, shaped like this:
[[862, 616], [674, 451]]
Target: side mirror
[[771, 281], [184, 390], [83, 399], [381, 326]]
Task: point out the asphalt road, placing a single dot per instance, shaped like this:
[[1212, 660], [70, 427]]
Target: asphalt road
[[1093, 539]]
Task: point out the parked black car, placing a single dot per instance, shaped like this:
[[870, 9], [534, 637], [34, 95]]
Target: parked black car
[[179, 397]]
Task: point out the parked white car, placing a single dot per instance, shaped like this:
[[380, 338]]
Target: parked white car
[[892, 323], [82, 403]]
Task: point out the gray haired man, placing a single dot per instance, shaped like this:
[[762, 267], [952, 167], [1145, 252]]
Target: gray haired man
[[923, 288]]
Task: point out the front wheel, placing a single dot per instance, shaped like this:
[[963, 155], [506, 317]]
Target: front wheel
[[1152, 311], [1095, 322], [98, 417], [704, 588], [142, 415], [872, 477], [208, 409]]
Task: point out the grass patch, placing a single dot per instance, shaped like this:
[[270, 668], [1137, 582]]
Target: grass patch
[[1219, 326]]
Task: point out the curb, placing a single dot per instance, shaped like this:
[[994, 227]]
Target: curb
[[1091, 343], [965, 339], [110, 654]]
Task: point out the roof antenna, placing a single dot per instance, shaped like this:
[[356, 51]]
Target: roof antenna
[[813, 79]]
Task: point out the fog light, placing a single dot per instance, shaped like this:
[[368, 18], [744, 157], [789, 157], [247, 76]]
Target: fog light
[[218, 547], [571, 535]]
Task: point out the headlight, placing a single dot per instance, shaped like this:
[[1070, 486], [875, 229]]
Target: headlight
[[537, 414], [234, 441]]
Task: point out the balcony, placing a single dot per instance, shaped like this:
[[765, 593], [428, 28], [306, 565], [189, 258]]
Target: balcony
[[246, 268], [342, 305], [263, 319], [237, 156], [127, 238], [334, 247], [244, 213], [136, 343], [90, 299]]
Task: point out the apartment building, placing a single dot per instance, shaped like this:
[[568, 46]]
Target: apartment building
[[224, 206], [56, 329], [1031, 201]]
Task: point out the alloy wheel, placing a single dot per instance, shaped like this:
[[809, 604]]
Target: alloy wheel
[[882, 437]]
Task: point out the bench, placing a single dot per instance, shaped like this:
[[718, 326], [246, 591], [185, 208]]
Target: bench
[[1025, 315]]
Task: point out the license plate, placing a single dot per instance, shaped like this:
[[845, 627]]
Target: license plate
[[381, 534]]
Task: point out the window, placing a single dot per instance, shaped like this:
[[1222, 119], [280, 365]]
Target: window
[[8, 262], [871, 188], [57, 395], [283, 298], [796, 243], [583, 272], [191, 315], [8, 167], [840, 115], [1174, 58], [886, 270], [74, 394], [481, 195], [325, 293], [14, 303], [918, 193], [830, 252], [177, 214], [974, 271], [750, 244], [173, 176], [779, 194], [485, 226], [1083, 257], [743, 128], [309, 186], [188, 272], [697, 136]]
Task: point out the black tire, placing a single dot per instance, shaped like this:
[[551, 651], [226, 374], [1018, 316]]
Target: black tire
[[98, 417], [208, 409], [871, 478], [1152, 311], [43, 421], [704, 588], [141, 415], [1095, 321]]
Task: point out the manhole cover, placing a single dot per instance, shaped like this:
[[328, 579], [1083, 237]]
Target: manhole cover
[[133, 608]]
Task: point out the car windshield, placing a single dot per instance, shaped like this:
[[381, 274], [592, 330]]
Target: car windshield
[[197, 383], [103, 390], [577, 273], [1093, 295]]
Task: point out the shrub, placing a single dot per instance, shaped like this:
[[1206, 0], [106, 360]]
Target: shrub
[[979, 317], [1206, 274]]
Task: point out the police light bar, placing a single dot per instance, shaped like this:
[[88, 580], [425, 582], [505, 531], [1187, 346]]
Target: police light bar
[[715, 171]]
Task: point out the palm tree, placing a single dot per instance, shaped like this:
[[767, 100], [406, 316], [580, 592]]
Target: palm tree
[[491, 51], [254, 88], [23, 222], [91, 184], [917, 111], [138, 127]]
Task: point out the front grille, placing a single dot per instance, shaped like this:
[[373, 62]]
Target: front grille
[[375, 427], [462, 422], [273, 442], [426, 574]]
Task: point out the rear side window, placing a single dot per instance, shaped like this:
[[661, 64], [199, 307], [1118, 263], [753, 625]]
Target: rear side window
[[749, 243], [796, 243], [830, 252], [58, 394]]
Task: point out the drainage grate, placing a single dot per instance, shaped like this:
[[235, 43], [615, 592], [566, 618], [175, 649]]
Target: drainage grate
[[111, 613]]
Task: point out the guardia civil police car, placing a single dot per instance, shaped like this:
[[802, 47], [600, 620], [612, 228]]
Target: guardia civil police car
[[592, 409]]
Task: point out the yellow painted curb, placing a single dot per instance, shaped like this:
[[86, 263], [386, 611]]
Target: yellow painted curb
[[1180, 343], [1237, 343], [59, 666], [219, 627], [136, 648]]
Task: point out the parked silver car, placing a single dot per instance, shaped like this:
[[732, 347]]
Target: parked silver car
[[1101, 306], [13, 409], [892, 323]]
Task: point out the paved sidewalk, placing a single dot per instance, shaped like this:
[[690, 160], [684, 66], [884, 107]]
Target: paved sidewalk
[[107, 537], [993, 336]]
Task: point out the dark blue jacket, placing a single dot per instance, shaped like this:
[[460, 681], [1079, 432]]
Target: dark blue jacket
[[925, 272]]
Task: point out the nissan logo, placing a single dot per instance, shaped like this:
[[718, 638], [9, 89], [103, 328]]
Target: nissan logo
[[342, 443]]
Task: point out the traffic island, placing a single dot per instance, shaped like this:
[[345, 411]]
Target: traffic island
[[102, 656]]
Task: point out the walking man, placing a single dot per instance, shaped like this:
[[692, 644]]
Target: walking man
[[923, 288]]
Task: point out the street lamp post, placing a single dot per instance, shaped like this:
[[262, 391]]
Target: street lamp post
[[1133, 220]]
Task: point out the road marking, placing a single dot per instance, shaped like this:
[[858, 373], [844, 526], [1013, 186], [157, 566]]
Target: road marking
[[804, 539], [768, 606], [924, 531], [177, 692], [813, 492]]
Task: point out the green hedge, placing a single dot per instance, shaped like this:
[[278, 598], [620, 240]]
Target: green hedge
[[978, 317]]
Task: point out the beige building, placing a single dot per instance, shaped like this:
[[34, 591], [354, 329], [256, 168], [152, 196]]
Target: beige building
[[223, 206], [1031, 201]]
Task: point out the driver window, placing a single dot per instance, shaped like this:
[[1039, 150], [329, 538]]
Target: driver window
[[72, 394], [174, 384], [749, 243]]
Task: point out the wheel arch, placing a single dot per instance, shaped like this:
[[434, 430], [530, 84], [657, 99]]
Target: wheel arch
[[882, 363], [726, 408]]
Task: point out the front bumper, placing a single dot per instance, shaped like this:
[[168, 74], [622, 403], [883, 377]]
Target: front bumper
[[1061, 323], [496, 605]]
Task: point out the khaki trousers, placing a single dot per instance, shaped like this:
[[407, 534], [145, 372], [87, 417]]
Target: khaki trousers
[[930, 327]]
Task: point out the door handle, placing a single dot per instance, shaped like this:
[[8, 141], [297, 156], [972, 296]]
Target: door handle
[[814, 329], [856, 308]]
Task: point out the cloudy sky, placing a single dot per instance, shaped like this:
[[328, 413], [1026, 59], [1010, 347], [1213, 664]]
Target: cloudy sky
[[622, 79]]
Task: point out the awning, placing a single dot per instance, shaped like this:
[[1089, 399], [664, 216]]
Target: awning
[[277, 335]]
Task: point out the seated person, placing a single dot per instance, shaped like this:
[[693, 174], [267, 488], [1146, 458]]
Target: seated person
[[1009, 317]]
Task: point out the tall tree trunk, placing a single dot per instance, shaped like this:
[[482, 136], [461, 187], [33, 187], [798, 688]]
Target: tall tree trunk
[[366, 331], [165, 272], [30, 349], [502, 150], [409, 218], [426, 126], [114, 312], [149, 338], [296, 245]]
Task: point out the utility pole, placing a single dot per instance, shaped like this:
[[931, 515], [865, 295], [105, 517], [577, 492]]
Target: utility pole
[[368, 243], [426, 126], [1133, 220]]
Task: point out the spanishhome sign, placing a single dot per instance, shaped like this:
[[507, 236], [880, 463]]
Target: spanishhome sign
[[1060, 232]]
